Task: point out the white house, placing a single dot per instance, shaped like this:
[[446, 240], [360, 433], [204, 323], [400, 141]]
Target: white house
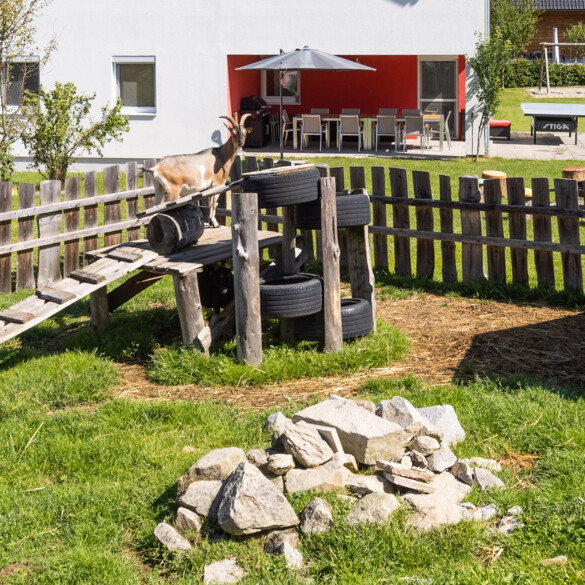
[[173, 63]]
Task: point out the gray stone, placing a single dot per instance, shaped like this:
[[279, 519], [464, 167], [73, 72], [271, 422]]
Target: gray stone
[[406, 461], [487, 480], [400, 411], [402, 471], [305, 444], [330, 436], [367, 404], [278, 483], [430, 518], [515, 511], [251, 504], [462, 472], [202, 497], [362, 485], [226, 571], [484, 512], [187, 520], [325, 478], [276, 538], [490, 464], [444, 419], [275, 420], [349, 462], [280, 463], [258, 457], [168, 536], [467, 509], [418, 459], [277, 426], [317, 516], [293, 557], [560, 560], [508, 524], [373, 508], [441, 460], [363, 434], [217, 464], [424, 445], [409, 484]]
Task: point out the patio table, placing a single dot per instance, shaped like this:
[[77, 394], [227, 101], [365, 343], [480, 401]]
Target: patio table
[[367, 120]]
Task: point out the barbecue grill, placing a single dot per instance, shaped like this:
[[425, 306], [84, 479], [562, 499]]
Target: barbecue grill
[[259, 121]]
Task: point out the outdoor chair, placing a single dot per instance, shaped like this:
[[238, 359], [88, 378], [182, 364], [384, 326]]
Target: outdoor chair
[[411, 112], [350, 111], [274, 128], [414, 126], [312, 126], [435, 128], [388, 111], [431, 110], [349, 126], [319, 110], [386, 126], [287, 125]]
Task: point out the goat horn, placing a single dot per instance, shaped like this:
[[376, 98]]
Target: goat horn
[[230, 119], [243, 119]]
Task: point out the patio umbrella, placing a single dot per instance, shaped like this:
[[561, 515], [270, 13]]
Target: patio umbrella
[[303, 59]]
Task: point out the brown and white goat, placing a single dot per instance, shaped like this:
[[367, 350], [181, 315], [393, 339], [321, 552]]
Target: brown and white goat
[[181, 174]]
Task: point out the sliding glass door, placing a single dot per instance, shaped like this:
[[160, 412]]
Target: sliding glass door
[[437, 87]]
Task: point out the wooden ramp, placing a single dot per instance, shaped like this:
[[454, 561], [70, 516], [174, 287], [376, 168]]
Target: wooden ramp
[[50, 300]]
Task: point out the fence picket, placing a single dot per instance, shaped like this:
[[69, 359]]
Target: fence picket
[[449, 267], [494, 225], [5, 234], [25, 274], [71, 248], [132, 203], [379, 217], [471, 254], [112, 211], [49, 225], [517, 221], [401, 220], [90, 213], [542, 225], [357, 177], [425, 249]]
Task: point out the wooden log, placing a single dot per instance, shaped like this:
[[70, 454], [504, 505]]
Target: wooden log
[[178, 228], [220, 325], [25, 276], [500, 176], [246, 278], [425, 249], [251, 163], [5, 237], [566, 196], [401, 220], [379, 218], [331, 278], [132, 203], [189, 309], [542, 225], [289, 235], [496, 255], [112, 211], [71, 248], [517, 223], [99, 315], [90, 213], [449, 265], [49, 224], [471, 254]]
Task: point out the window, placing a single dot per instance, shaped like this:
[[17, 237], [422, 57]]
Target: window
[[22, 76], [291, 90], [135, 84]]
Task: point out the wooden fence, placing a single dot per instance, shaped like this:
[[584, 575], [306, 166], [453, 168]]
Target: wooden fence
[[63, 228]]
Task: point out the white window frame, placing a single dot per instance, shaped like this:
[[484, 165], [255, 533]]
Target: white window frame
[[454, 124], [286, 99], [133, 60], [16, 60]]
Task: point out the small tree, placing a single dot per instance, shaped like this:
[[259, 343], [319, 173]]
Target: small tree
[[487, 63], [60, 129], [576, 34], [516, 21]]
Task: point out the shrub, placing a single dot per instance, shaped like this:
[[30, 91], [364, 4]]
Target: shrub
[[526, 73]]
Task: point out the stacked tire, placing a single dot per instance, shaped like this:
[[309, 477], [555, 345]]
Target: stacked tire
[[293, 295], [353, 209]]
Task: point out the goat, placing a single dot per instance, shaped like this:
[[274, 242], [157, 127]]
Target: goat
[[181, 174]]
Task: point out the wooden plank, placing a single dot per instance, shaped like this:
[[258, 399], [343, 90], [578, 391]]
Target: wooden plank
[[5, 238], [471, 254], [189, 309], [112, 211], [542, 225], [331, 278], [25, 274], [71, 248], [130, 288], [425, 249], [55, 295], [148, 200], [90, 213], [496, 255], [125, 254], [357, 177], [246, 278], [19, 317], [338, 174], [86, 276], [566, 196], [401, 220], [449, 265], [517, 223], [380, 241], [132, 203], [49, 224]]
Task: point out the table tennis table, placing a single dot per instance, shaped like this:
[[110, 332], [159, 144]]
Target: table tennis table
[[553, 117]]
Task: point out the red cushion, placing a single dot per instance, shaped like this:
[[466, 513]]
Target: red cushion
[[500, 123]]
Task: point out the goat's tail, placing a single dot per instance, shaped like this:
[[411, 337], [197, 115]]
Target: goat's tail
[[145, 170]]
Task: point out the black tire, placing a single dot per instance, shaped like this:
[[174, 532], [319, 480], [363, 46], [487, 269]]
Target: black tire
[[280, 190], [356, 321], [294, 295], [352, 210]]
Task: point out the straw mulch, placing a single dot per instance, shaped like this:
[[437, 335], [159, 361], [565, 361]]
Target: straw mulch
[[452, 339]]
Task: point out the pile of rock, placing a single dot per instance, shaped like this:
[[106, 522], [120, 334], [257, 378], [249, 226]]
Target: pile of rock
[[399, 449]]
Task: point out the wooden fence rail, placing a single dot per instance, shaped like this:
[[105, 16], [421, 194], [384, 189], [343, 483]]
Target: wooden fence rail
[[474, 228]]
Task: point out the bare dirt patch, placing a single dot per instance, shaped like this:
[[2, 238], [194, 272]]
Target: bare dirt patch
[[452, 339], [557, 92]]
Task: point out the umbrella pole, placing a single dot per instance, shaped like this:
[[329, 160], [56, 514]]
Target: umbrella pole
[[281, 75]]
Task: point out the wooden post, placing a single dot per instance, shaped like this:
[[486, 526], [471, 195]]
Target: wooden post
[[289, 233], [425, 249], [5, 238], [331, 253], [323, 172], [446, 216], [71, 253], [401, 219], [25, 275], [246, 277], [99, 313], [542, 225], [49, 225], [517, 222], [566, 197], [338, 174], [132, 203], [148, 200], [471, 254], [90, 213], [189, 309], [112, 211], [496, 255], [379, 218]]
